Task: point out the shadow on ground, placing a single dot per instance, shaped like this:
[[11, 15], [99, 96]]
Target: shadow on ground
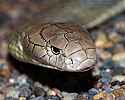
[[64, 81]]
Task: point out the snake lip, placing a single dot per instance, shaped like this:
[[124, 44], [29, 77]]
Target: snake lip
[[84, 69], [87, 69]]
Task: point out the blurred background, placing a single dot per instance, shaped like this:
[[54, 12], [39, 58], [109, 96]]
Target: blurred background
[[104, 19]]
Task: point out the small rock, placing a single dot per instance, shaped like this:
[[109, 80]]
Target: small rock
[[102, 41], [82, 96], [51, 92], [119, 58], [100, 96], [99, 86], [120, 98], [118, 48], [22, 80], [11, 81], [120, 26], [115, 87], [22, 98], [8, 98], [106, 76], [24, 92], [107, 64], [115, 37], [92, 92], [96, 72], [57, 92], [52, 98], [69, 96], [107, 88], [12, 92], [38, 89], [110, 97], [39, 98], [104, 55]]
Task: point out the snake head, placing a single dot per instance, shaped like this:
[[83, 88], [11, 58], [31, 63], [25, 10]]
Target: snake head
[[60, 46]]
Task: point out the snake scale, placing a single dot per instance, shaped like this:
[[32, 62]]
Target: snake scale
[[60, 46]]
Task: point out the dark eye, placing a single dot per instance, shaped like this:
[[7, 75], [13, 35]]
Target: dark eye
[[55, 50]]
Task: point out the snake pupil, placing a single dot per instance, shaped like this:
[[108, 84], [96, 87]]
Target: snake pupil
[[55, 50]]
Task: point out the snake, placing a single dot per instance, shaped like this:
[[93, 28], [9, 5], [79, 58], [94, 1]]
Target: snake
[[58, 45]]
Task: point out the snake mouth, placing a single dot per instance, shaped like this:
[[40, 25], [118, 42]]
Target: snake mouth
[[84, 66]]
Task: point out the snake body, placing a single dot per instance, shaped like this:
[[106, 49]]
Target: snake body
[[60, 46]]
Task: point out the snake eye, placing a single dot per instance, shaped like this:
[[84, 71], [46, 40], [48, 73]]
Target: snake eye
[[55, 50]]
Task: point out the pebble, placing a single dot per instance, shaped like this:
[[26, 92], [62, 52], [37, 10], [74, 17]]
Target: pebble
[[107, 64], [96, 71], [120, 25], [39, 91], [106, 77], [92, 92], [107, 88], [83, 96], [118, 48], [101, 95], [24, 91], [8, 98], [12, 92], [56, 92], [99, 86], [119, 58], [115, 37], [102, 41], [23, 80], [69, 96], [11, 80], [51, 92], [22, 98], [53, 98], [104, 55], [115, 87], [120, 98]]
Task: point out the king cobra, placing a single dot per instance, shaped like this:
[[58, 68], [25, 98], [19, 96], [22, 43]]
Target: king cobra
[[60, 46]]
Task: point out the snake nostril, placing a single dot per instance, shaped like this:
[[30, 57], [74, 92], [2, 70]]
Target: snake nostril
[[55, 50]]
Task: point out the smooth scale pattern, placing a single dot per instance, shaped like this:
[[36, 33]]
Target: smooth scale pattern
[[60, 46]]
